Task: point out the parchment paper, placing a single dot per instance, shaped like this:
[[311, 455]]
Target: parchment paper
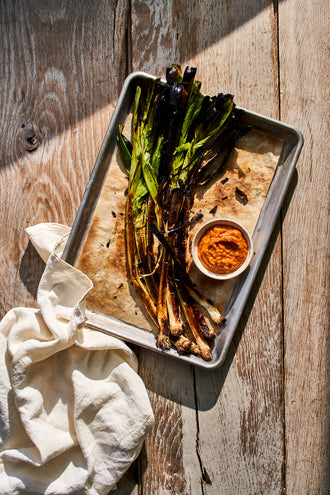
[[250, 168]]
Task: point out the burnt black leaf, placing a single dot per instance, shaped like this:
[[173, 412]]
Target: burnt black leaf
[[241, 196]]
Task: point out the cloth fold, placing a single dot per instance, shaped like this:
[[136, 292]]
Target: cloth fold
[[73, 410]]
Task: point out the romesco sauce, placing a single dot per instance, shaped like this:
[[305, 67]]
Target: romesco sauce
[[222, 249]]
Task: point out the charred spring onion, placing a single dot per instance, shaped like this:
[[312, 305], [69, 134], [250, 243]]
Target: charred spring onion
[[181, 140]]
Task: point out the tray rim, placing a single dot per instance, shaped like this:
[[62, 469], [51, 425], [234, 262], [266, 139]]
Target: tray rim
[[244, 284]]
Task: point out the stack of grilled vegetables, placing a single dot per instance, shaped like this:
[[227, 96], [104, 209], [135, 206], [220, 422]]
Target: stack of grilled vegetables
[[181, 140]]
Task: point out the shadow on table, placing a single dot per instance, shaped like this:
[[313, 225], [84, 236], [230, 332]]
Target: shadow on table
[[31, 269], [67, 63]]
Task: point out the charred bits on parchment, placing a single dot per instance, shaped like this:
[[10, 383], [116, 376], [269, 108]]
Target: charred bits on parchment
[[241, 196]]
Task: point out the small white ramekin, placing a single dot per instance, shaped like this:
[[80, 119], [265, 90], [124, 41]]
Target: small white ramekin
[[197, 238]]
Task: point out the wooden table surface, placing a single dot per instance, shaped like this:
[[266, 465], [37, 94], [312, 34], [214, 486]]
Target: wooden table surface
[[260, 423]]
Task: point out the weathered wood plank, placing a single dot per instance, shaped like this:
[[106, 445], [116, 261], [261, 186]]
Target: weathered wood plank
[[62, 67], [58, 63], [170, 461], [239, 415], [243, 401], [304, 75]]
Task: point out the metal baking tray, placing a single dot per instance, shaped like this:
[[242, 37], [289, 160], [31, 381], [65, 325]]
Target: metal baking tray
[[292, 145]]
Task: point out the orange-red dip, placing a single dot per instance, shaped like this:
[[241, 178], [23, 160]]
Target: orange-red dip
[[222, 249]]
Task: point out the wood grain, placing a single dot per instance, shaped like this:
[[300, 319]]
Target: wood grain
[[260, 424], [172, 441], [58, 63], [243, 402], [304, 75], [239, 408], [62, 67]]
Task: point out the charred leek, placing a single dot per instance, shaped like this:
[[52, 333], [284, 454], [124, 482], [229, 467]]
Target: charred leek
[[181, 139]]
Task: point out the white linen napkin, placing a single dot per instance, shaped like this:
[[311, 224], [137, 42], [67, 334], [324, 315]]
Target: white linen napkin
[[73, 410]]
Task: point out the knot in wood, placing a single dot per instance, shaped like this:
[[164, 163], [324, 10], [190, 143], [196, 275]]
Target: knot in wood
[[32, 140]]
